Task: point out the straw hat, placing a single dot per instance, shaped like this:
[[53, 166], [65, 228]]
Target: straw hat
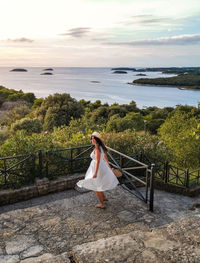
[[98, 135]]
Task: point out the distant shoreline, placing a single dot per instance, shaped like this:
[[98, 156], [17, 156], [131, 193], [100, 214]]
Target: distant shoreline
[[167, 86], [111, 89]]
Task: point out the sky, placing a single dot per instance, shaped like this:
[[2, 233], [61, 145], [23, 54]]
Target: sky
[[99, 33]]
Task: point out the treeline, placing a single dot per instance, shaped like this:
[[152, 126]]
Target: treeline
[[189, 80], [61, 121], [62, 110], [13, 95]]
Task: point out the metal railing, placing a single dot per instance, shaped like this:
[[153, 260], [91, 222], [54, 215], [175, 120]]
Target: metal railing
[[136, 175], [66, 161], [173, 175], [17, 170]]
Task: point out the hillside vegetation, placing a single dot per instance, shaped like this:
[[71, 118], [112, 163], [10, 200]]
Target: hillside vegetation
[[61, 121]]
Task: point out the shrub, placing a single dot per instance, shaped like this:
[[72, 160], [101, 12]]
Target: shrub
[[57, 110], [177, 134], [27, 124], [4, 134]]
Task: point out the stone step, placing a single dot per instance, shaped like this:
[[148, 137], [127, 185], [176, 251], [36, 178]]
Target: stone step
[[44, 258], [176, 242]]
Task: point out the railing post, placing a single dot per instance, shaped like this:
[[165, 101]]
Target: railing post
[[152, 187], [166, 178], [187, 178], [47, 164], [121, 162], [5, 173], [40, 162], [71, 157], [34, 172], [141, 156], [147, 184]]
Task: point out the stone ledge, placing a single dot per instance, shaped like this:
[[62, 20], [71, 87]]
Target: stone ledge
[[192, 192], [48, 258], [175, 242], [41, 187]]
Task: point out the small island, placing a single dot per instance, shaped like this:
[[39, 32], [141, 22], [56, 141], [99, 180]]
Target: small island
[[186, 80], [46, 73], [48, 69], [18, 70], [119, 72], [140, 74], [95, 81]]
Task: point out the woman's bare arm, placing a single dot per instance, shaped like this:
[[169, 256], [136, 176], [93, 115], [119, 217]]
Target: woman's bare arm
[[98, 155]]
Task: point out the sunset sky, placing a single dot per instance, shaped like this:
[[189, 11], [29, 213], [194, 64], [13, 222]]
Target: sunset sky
[[92, 33]]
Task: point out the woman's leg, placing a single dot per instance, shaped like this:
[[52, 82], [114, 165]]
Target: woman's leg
[[101, 199], [104, 197]]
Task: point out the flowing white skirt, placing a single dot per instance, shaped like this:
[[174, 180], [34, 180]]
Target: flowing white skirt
[[105, 180]]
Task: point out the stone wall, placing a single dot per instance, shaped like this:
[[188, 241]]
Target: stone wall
[[45, 186], [194, 191], [41, 187]]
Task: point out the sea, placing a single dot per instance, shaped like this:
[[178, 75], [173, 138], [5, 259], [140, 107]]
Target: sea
[[93, 84]]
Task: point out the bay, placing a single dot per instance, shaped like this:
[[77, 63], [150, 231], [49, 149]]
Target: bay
[[97, 84]]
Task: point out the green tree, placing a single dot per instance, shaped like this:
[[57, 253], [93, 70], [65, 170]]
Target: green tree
[[177, 133], [131, 107], [16, 113], [27, 124], [132, 121], [153, 125], [117, 109], [99, 115], [37, 103], [58, 109]]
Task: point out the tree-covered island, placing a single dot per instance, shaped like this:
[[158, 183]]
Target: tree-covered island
[[185, 80]]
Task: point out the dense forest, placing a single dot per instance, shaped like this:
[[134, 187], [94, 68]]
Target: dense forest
[[29, 124]]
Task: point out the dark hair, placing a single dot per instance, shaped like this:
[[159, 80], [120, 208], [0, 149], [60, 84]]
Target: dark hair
[[100, 144]]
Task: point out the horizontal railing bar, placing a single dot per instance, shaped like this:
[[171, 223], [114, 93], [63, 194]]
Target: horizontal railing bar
[[82, 153], [69, 160], [71, 148], [126, 156], [137, 179], [194, 171], [14, 165], [174, 167], [115, 166], [16, 156], [133, 168]]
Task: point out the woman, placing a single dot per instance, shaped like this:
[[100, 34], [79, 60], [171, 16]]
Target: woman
[[99, 176]]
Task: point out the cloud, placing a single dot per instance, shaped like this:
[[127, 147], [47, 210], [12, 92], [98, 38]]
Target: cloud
[[151, 19], [22, 40], [146, 19], [99, 39], [174, 40], [77, 32]]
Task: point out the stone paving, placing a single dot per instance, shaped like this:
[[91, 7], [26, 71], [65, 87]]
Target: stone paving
[[49, 228]]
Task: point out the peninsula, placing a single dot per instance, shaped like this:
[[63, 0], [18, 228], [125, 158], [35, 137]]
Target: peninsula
[[186, 80]]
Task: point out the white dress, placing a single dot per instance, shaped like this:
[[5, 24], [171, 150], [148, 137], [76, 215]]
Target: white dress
[[105, 180]]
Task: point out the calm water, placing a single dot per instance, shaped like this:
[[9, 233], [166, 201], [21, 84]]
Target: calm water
[[112, 87]]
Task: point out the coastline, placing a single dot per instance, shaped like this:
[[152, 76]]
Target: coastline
[[112, 88], [167, 86]]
